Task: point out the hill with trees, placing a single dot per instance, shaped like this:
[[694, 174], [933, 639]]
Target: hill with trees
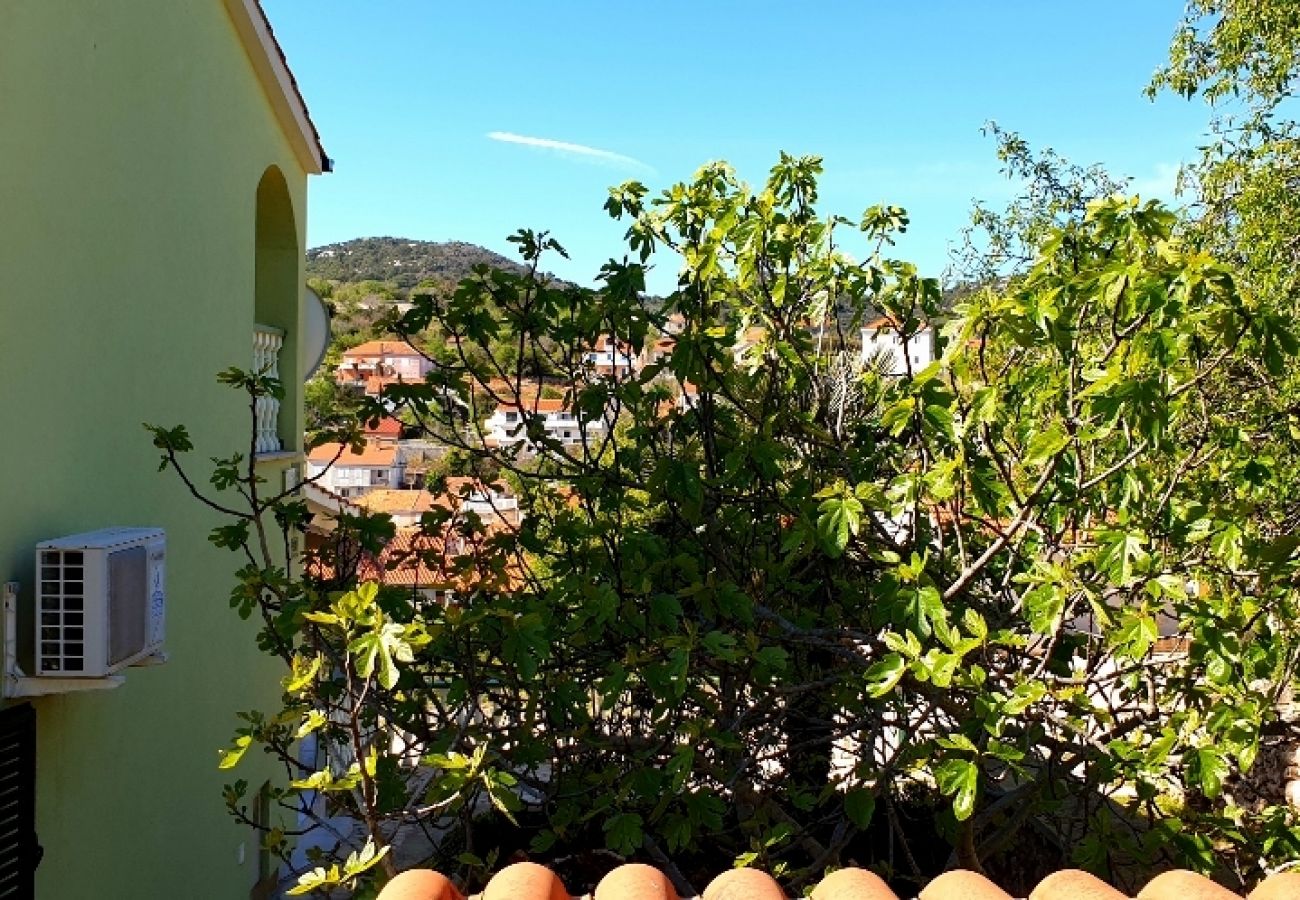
[[401, 262]]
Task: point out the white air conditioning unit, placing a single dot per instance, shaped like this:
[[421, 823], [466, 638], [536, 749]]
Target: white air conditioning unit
[[100, 601]]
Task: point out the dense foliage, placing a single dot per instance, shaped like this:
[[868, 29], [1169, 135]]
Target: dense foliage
[[792, 610], [763, 618]]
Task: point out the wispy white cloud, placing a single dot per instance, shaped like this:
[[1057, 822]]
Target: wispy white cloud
[[576, 152]]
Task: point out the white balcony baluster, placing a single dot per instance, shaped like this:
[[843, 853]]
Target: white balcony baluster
[[267, 342]]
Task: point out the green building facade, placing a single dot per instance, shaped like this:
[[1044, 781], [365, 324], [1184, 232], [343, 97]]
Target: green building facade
[[154, 157]]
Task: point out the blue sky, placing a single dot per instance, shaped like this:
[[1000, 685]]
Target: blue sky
[[421, 105]]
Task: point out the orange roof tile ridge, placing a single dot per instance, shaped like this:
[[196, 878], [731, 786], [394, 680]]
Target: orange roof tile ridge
[[638, 881]]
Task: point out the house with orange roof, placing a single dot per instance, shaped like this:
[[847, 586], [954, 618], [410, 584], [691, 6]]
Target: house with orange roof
[[403, 506], [661, 349], [611, 357], [882, 344], [489, 502], [375, 364], [508, 425], [340, 470], [441, 565]]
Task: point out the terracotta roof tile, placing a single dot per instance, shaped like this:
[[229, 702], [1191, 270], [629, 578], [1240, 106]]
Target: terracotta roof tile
[[370, 455], [537, 405], [421, 884], [852, 884], [385, 427], [962, 885], [419, 560], [1182, 885], [391, 500], [524, 881], [636, 881], [880, 322], [381, 348], [1283, 886], [744, 884], [1071, 884]]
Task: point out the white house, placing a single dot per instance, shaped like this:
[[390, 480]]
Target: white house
[[610, 356], [353, 474], [376, 363], [490, 502], [508, 424], [881, 340]]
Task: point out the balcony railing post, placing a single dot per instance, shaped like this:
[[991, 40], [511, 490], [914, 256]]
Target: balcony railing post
[[267, 342]]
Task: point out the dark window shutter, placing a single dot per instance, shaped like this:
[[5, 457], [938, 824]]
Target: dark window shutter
[[19, 851]]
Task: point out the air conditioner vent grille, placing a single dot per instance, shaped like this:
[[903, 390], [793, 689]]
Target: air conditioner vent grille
[[62, 611]]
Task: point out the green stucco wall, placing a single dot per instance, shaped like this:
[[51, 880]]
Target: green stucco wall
[[133, 136]]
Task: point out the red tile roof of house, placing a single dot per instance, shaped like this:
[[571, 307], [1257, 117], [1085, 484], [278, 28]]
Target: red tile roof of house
[[635, 881], [370, 455], [607, 343], [537, 405], [381, 348], [376, 383], [416, 559], [385, 427], [887, 322]]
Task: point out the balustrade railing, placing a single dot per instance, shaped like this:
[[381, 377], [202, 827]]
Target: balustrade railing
[[267, 342]]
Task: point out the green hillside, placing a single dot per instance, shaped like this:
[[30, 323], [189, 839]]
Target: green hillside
[[400, 262]]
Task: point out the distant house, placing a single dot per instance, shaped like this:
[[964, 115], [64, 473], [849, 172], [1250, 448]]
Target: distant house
[[508, 425], [490, 503], [405, 507], [690, 396], [611, 357], [661, 349], [882, 342], [351, 475], [375, 364]]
